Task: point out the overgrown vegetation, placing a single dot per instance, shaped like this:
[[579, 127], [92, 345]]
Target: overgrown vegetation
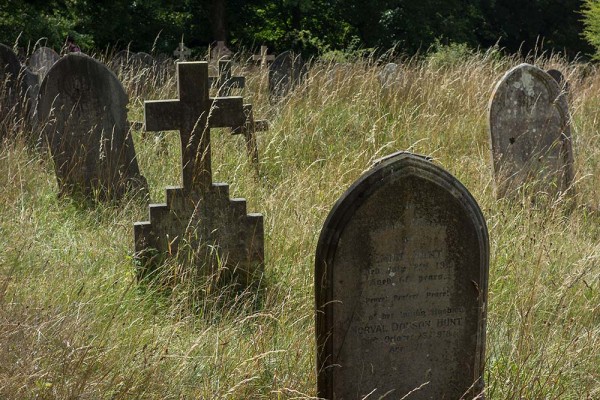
[[75, 324]]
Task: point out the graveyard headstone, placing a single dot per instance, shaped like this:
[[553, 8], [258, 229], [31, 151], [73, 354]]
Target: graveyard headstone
[[42, 60], [401, 274], [84, 110], [182, 52], [222, 239], [220, 51], [18, 90], [388, 75], [224, 81], [249, 129], [286, 72], [529, 125], [558, 76]]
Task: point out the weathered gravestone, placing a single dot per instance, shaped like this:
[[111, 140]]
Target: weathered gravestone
[[182, 52], [222, 238], [42, 60], [286, 72], [224, 81], [18, 90], [529, 125], [401, 275], [220, 51], [83, 107], [249, 129], [388, 75], [559, 78]]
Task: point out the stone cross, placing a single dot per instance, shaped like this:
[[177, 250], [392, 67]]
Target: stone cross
[[182, 52], [263, 57], [401, 277], [220, 51], [224, 81], [221, 239], [250, 127], [193, 114]]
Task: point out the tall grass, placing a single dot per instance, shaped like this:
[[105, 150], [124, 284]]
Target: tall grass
[[74, 323]]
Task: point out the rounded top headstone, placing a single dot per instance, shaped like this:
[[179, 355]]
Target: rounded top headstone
[[529, 125], [42, 60], [287, 71], [401, 275]]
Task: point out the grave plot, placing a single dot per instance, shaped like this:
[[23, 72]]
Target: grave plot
[[199, 220]]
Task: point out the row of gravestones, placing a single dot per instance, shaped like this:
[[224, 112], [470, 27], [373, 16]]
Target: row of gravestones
[[402, 262]]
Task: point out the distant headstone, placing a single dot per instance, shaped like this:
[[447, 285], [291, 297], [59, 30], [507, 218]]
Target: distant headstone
[[182, 52], [559, 78], [530, 132], [263, 58], [221, 238], [18, 90], [42, 60], [220, 51], [401, 276], [224, 82], [142, 60], [388, 74], [84, 110], [287, 71]]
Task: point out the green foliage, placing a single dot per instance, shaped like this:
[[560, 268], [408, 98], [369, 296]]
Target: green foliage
[[446, 56], [591, 21]]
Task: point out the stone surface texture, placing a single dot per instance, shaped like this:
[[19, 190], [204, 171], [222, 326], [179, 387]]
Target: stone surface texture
[[83, 108], [221, 239], [529, 125], [401, 274], [285, 73], [42, 60]]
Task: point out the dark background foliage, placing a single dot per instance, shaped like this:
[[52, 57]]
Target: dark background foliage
[[310, 26]]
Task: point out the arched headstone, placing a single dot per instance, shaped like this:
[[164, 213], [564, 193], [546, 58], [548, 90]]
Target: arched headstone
[[388, 74], [84, 108], [530, 132], [42, 60], [287, 71], [401, 275], [18, 89]]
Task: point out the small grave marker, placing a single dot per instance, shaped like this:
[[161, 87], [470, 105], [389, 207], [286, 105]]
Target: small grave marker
[[529, 125], [248, 129], [83, 107], [224, 82], [223, 238], [263, 57], [388, 75], [182, 52], [286, 72], [220, 51], [401, 274], [42, 60]]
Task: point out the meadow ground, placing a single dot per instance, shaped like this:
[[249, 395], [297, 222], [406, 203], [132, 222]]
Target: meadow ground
[[75, 324]]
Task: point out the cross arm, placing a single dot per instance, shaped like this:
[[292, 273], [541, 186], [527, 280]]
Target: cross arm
[[226, 112], [162, 115]]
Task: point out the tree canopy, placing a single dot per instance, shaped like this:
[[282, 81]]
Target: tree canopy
[[310, 26]]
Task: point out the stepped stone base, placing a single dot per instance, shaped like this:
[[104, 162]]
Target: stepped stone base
[[209, 229]]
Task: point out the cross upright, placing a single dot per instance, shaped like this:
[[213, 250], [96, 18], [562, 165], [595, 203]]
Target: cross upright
[[193, 114], [224, 81], [263, 57], [182, 52]]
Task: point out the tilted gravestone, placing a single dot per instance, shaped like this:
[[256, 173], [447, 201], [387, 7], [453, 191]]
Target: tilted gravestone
[[559, 78], [42, 60], [529, 125], [286, 72], [401, 275], [224, 81], [221, 238], [18, 90], [83, 108]]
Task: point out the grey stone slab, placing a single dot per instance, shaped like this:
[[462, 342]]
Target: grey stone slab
[[83, 108], [401, 276], [263, 58], [42, 60], [530, 132], [389, 75], [18, 90], [285, 73], [560, 79], [219, 236]]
